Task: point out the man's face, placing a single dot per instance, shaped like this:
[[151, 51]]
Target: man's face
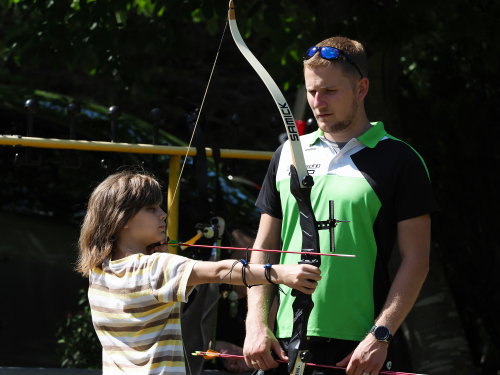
[[331, 97]]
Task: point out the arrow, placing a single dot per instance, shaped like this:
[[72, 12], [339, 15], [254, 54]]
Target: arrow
[[211, 354], [181, 244]]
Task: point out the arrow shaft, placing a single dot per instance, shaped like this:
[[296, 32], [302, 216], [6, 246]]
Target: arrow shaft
[[265, 250], [307, 364]]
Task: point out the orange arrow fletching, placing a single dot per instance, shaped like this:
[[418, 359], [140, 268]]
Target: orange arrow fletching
[[213, 354]]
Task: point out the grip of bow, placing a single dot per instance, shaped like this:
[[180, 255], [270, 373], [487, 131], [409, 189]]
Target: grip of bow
[[298, 347]]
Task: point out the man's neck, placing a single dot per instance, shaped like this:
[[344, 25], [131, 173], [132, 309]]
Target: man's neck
[[353, 131]]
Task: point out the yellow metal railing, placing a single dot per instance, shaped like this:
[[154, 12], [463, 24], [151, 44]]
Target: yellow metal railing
[[175, 153], [126, 147]]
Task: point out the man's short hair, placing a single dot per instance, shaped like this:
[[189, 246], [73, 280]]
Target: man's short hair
[[351, 48]]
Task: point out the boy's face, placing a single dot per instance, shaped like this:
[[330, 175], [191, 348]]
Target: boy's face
[[146, 227]]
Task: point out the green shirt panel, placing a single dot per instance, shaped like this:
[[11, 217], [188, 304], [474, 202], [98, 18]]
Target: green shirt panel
[[344, 307]]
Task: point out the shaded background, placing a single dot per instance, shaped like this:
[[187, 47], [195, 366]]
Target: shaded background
[[434, 83]]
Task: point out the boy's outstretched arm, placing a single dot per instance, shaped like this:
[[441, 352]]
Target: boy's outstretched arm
[[302, 277]]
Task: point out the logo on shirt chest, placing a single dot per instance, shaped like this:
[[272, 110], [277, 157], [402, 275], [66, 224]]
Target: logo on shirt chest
[[311, 168]]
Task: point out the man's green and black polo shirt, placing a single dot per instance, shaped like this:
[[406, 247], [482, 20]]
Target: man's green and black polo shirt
[[375, 181]]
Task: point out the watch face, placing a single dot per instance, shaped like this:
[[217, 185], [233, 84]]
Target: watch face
[[381, 333]]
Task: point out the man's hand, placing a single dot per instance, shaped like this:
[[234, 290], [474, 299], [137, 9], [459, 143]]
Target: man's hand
[[257, 348], [368, 357]]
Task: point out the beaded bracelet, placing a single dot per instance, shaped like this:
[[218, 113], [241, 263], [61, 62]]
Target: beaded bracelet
[[244, 262], [243, 275]]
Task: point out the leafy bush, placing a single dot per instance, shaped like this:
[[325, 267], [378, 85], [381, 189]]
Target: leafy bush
[[78, 345]]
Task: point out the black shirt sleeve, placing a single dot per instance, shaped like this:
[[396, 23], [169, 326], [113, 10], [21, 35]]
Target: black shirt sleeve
[[269, 197], [398, 176], [414, 196]]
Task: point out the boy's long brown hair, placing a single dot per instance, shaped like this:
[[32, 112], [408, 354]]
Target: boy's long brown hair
[[112, 204]]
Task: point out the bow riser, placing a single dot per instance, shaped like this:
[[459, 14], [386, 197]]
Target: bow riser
[[308, 223], [298, 347]]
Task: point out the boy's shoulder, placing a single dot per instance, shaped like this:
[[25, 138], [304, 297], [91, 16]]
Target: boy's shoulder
[[137, 264]]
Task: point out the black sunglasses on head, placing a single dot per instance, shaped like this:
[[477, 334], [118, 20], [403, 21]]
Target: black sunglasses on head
[[329, 53]]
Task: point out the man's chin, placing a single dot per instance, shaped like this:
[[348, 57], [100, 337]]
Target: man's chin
[[333, 129], [324, 126]]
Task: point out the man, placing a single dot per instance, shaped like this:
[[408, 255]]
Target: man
[[381, 186]]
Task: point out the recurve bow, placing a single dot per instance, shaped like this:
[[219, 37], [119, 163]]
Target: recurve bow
[[300, 186]]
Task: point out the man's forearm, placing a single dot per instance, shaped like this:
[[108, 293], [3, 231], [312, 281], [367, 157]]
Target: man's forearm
[[259, 303], [260, 299], [414, 241], [404, 292]]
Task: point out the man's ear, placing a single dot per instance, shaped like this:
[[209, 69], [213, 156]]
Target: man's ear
[[363, 85]]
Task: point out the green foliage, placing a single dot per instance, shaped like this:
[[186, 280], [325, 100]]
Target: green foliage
[[110, 36], [78, 345]]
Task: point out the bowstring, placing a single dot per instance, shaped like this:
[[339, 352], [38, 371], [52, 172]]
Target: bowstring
[[197, 119], [187, 359], [189, 146]]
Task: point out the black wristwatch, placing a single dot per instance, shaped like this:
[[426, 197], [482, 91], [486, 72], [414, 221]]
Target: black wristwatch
[[381, 333]]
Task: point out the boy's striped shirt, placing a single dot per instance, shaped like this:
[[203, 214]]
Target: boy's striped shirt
[[136, 312]]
